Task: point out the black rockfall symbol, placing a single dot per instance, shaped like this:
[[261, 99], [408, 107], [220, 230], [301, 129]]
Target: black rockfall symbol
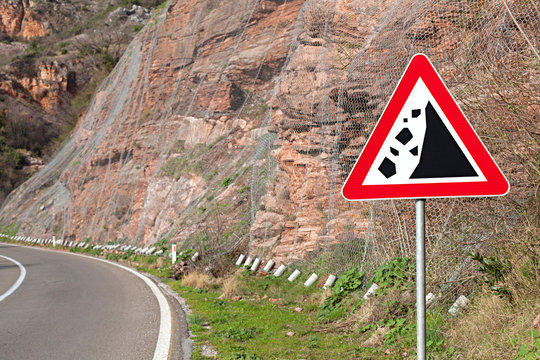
[[441, 156], [387, 168], [404, 136]]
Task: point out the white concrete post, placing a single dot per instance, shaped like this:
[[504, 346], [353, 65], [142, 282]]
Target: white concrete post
[[248, 261], [256, 264], [461, 304], [311, 280], [371, 291], [294, 275], [280, 270], [173, 253], [330, 281], [430, 298], [269, 265], [240, 260]]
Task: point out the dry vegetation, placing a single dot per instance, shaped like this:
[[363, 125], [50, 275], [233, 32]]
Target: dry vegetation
[[199, 280]]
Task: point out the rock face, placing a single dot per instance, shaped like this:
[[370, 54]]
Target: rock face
[[16, 19], [48, 86], [323, 117], [169, 139], [47, 77], [232, 125]]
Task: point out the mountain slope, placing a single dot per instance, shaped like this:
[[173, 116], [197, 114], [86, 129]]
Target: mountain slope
[[230, 126]]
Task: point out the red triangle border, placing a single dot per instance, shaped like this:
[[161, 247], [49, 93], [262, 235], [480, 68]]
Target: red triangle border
[[420, 67]]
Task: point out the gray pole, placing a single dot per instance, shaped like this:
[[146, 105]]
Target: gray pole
[[420, 279]]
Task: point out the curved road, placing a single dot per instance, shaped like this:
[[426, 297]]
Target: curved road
[[74, 307]]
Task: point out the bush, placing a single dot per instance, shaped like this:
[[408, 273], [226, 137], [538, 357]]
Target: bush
[[14, 159], [396, 274]]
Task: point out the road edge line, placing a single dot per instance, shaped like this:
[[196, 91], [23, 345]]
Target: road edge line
[[163, 343], [17, 283]]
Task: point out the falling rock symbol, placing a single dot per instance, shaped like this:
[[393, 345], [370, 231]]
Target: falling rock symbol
[[404, 136], [387, 168], [441, 156]]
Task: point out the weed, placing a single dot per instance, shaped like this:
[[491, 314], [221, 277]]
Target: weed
[[196, 319], [185, 255], [227, 181], [240, 355], [230, 287], [396, 274], [127, 255], [113, 257], [238, 334], [198, 280], [528, 351], [494, 270], [347, 283]]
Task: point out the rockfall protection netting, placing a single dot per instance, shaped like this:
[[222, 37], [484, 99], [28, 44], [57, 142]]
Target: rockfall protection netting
[[345, 61], [151, 153], [151, 159]]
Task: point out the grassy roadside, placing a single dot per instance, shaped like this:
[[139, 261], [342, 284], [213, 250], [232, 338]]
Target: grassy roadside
[[253, 316], [271, 319], [247, 316]]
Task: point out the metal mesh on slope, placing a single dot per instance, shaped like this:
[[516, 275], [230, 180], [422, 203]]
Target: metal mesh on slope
[[344, 65], [127, 152], [131, 174]]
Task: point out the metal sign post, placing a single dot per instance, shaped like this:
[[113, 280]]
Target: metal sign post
[[420, 279]]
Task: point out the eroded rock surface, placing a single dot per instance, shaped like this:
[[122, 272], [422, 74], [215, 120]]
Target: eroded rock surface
[[16, 19]]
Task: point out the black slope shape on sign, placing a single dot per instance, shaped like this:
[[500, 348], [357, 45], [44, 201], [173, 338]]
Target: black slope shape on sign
[[441, 156]]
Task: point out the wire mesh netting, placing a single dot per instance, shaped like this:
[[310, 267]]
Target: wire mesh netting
[[232, 126], [344, 64]]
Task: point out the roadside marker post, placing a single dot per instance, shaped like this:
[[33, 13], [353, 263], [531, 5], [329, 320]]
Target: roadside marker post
[[173, 253], [423, 147]]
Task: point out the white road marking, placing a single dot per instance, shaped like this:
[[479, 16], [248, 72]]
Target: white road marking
[[165, 325], [19, 280]]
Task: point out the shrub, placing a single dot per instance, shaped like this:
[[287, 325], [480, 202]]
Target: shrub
[[396, 274], [227, 181]]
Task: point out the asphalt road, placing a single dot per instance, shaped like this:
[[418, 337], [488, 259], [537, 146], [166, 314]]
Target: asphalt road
[[73, 307]]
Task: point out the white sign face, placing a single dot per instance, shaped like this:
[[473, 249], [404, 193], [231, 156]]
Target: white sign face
[[173, 253], [404, 147], [423, 146]]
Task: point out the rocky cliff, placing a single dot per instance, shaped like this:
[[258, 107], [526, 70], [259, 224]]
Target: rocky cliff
[[16, 19], [53, 55], [231, 125]]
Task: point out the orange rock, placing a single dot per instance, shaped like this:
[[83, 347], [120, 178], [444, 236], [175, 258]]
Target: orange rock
[[17, 20]]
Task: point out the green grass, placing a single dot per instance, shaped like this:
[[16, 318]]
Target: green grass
[[257, 325], [263, 321], [10, 229]]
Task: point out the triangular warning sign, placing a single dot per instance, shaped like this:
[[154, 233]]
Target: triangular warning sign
[[423, 146]]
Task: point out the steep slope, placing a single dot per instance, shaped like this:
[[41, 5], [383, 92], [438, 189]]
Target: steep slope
[[178, 118], [53, 55], [231, 125]]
